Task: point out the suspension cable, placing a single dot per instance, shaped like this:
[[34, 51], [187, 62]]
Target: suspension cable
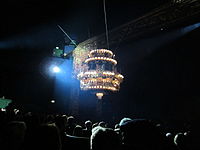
[[106, 26], [67, 35]]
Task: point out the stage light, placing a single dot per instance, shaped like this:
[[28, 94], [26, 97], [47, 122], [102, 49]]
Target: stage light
[[52, 101], [56, 69]]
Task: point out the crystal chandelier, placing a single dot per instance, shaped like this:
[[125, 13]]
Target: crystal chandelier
[[101, 74]]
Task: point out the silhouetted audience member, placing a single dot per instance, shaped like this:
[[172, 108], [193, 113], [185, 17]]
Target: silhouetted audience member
[[50, 119], [104, 139], [87, 131], [13, 135], [102, 124], [11, 112], [193, 139], [47, 136], [78, 131], [124, 120], [141, 134], [61, 122], [70, 125], [76, 142], [169, 135], [180, 141], [170, 141]]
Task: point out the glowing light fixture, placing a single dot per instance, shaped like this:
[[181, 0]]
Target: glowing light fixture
[[99, 95], [101, 73], [56, 69], [52, 101]]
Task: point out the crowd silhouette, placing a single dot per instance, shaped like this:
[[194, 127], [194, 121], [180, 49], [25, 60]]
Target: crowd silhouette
[[34, 131]]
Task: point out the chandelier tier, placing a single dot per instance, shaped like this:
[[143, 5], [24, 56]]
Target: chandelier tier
[[101, 73]]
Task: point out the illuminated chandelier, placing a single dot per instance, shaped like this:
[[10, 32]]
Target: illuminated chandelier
[[101, 74]]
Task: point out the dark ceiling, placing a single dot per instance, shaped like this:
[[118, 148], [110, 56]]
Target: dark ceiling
[[29, 31], [20, 16]]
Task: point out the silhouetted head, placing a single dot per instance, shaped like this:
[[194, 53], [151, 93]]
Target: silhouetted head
[[88, 124], [61, 122], [104, 139], [124, 120], [70, 120], [47, 137], [141, 134], [102, 124], [180, 141], [78, 131]]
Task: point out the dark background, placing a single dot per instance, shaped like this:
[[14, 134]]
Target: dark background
[[161, 70]]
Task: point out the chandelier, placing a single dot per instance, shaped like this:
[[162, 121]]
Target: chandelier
[[101, 74]]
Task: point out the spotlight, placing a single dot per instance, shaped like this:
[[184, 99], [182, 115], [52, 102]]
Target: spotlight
[[56, 69], [52, 101]]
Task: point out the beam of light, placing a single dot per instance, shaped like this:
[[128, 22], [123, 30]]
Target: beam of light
[[64, 83], [3, 45], [190, 28], [148, 45]]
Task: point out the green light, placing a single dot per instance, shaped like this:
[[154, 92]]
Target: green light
[[4, 102], [57, 52]]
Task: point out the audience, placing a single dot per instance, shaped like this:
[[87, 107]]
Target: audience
[[31, 131]]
